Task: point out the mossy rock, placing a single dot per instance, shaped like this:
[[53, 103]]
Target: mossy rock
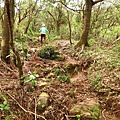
[[89, 110], [42, 101]]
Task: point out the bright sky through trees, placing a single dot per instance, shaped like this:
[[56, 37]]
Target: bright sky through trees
[[73, 3]]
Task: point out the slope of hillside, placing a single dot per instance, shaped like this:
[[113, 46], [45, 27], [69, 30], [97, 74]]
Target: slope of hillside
[[76, 79]]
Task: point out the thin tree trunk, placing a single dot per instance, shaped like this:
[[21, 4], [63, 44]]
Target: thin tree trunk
[[26, 29], [69, 24]]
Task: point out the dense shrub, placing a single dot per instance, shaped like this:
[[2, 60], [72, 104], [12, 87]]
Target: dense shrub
[[48, 52]]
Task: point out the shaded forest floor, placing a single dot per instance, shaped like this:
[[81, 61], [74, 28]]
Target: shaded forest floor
[[94, 74]]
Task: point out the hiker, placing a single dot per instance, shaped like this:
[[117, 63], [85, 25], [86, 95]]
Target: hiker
[[43, 30]]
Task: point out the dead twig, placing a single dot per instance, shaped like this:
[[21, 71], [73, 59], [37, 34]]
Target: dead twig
[[116, 40], [71, 116], [117, 111], [1, 74], [103, 114], [24, 108], [35, 109], [66, 117]]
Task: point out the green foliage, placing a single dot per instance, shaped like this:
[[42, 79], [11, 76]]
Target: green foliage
[[48, 52], [91, 42], [112, 58], [95, 112], [7, 118], [4, 106], [76, 70], [105, 23], [77, 19], [117, 48], [32, 78], [105, 52], [57, 70], [78, 117], [31, 31], [96, 80], [62, 75]]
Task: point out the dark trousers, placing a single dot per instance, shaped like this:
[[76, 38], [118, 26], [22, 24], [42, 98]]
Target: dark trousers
[[43, 37]]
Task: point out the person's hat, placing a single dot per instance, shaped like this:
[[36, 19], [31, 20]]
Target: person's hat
[[43, 25]]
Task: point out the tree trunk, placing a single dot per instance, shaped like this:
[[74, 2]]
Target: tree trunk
[[7, 41], [10, 11], [87, 14], [5, 48]]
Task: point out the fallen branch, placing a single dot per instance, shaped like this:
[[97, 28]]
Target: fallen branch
[[24, 108]]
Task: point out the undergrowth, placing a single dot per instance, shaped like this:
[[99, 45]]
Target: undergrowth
[[48, 52], [106, 65]]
